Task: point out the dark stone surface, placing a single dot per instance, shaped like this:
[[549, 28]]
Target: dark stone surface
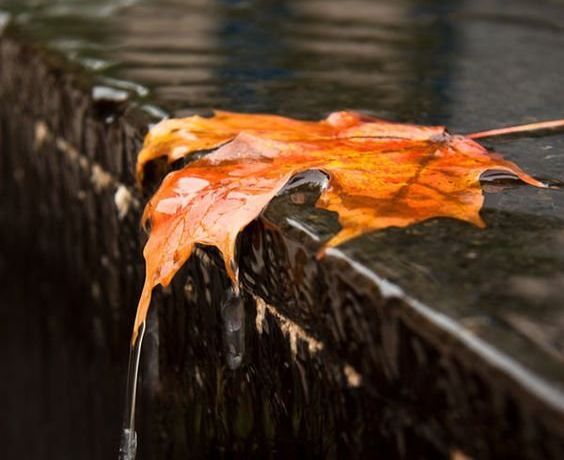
[[466, 355]]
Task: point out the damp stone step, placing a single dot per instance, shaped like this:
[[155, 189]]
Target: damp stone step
[[440, 340]]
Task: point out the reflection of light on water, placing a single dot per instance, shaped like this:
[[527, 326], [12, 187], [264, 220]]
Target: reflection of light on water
[[94, 9], [4, 20], [128, 441], [233, 315], [303, 228], [538, 386], [128, 445]]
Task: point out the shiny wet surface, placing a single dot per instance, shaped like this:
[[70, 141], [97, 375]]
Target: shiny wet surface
[[406, 60], [471, 65]]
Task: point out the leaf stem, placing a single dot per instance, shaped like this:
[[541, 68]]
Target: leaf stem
[[529, 128]]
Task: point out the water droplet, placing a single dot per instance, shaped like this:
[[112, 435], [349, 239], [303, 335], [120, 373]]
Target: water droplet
[[233, 315]]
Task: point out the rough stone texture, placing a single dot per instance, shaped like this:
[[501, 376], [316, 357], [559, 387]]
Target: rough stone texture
[[345, 365], [61, 236]]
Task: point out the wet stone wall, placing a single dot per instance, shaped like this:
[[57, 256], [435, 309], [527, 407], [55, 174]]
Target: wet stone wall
[[332, 367], [61, 228]]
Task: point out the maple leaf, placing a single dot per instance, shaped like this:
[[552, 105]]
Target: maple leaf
[[381, 174]]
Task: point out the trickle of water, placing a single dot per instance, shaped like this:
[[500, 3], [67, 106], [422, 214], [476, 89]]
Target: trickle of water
[[128, 441], [233, 315]]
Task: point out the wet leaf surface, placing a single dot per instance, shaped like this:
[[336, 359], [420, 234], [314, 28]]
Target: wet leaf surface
[[381, 174]]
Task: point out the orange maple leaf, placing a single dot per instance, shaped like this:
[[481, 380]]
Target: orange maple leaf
[[381, 174]]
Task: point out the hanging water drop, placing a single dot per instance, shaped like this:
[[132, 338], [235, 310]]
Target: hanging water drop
[[233, 316]]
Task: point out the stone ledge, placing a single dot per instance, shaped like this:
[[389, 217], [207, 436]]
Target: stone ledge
[[343, 361]]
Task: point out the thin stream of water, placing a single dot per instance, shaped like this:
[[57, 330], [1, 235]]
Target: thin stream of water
[[233, 315], [128, 441]]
